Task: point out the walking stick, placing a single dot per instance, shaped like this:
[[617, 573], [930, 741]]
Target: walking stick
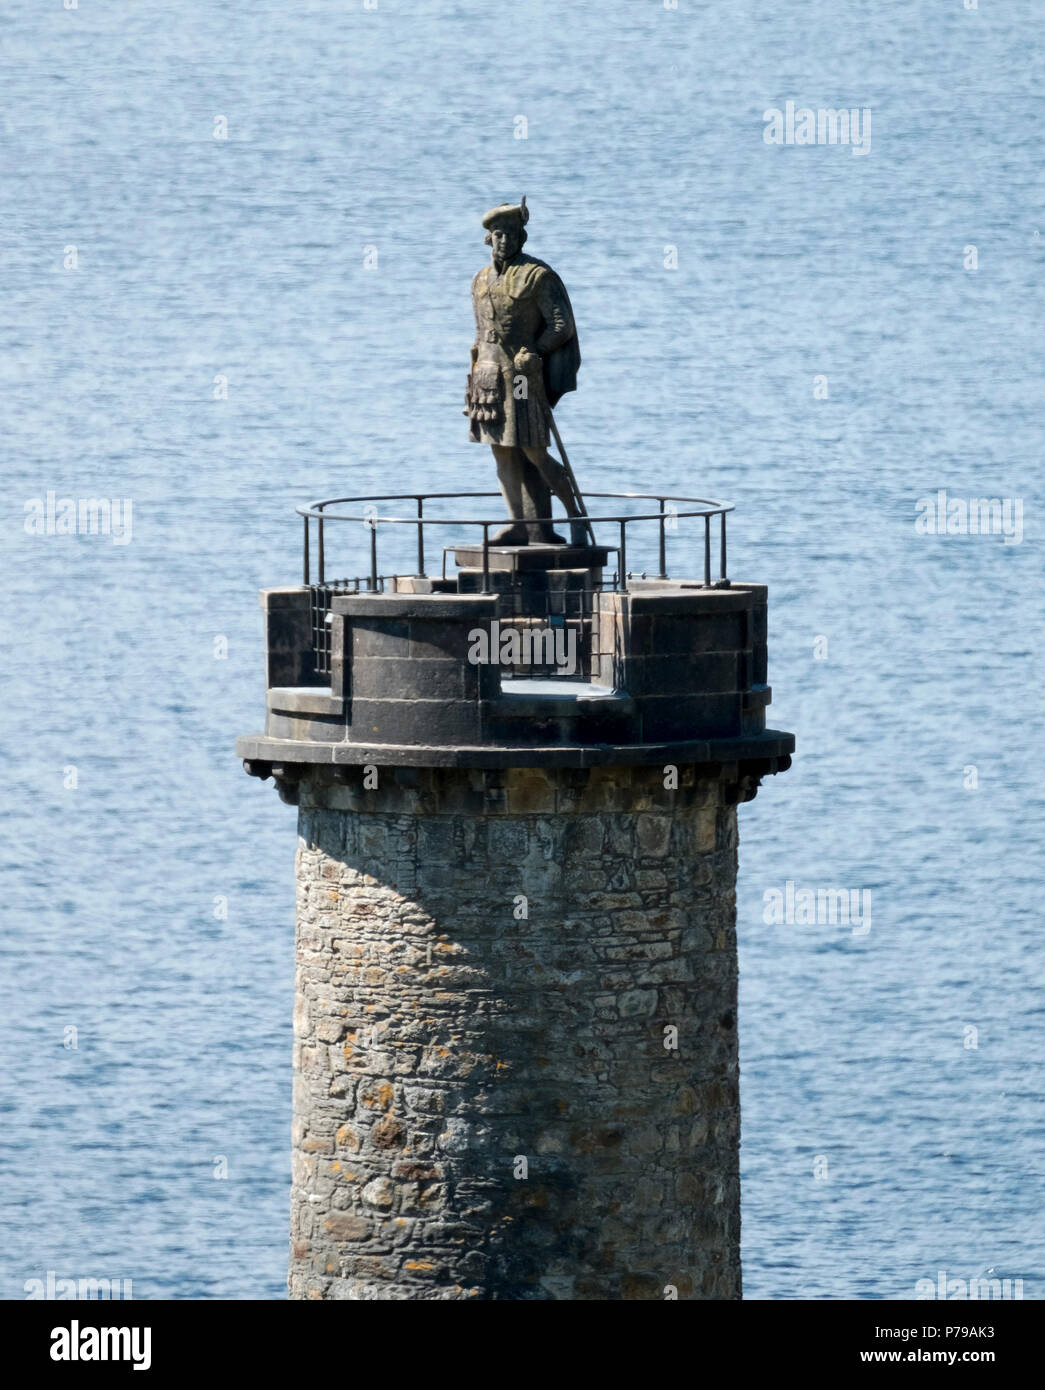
[[575, 491]]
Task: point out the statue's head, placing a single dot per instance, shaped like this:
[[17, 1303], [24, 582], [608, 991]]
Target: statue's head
[[506, 229]]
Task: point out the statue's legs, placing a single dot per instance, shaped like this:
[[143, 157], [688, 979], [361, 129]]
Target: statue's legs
[[510, 465], [553, 475], [554, 478], [526, 496]]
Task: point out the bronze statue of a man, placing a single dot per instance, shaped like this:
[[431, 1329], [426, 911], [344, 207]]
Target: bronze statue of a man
[[525, 357]]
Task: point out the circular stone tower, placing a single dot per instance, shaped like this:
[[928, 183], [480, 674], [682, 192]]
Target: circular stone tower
[[516, 1059]]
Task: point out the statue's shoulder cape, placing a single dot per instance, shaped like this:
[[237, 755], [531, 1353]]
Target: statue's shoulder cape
[[560, 366]]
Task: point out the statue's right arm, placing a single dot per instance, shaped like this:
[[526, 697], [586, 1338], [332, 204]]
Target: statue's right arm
[[475, 311]]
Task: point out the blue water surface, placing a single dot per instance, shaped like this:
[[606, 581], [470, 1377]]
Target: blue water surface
[[150, 907]]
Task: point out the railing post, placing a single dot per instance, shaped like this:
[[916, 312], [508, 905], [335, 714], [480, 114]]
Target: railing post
[[315, 573], [722, 552]]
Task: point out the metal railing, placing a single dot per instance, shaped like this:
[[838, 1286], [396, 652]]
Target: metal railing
[[320, 606], [667, 518], [570, 610]]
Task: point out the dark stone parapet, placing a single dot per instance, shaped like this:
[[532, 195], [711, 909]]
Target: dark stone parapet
[[677, 675]]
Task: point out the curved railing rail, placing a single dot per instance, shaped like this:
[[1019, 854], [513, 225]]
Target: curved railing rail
[[667, 517]]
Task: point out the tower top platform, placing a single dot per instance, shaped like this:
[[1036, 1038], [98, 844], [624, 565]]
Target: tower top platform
[[528, 656]]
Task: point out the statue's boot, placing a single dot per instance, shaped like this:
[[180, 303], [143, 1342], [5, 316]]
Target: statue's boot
[[580, 533], [546, 535], [511, 535]]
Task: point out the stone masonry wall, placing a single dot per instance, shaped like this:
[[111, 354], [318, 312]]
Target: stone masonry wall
[[489, 966]]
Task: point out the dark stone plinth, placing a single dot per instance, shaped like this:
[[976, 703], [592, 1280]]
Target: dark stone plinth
[[539, 581], [524, 559], [529, 588]]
